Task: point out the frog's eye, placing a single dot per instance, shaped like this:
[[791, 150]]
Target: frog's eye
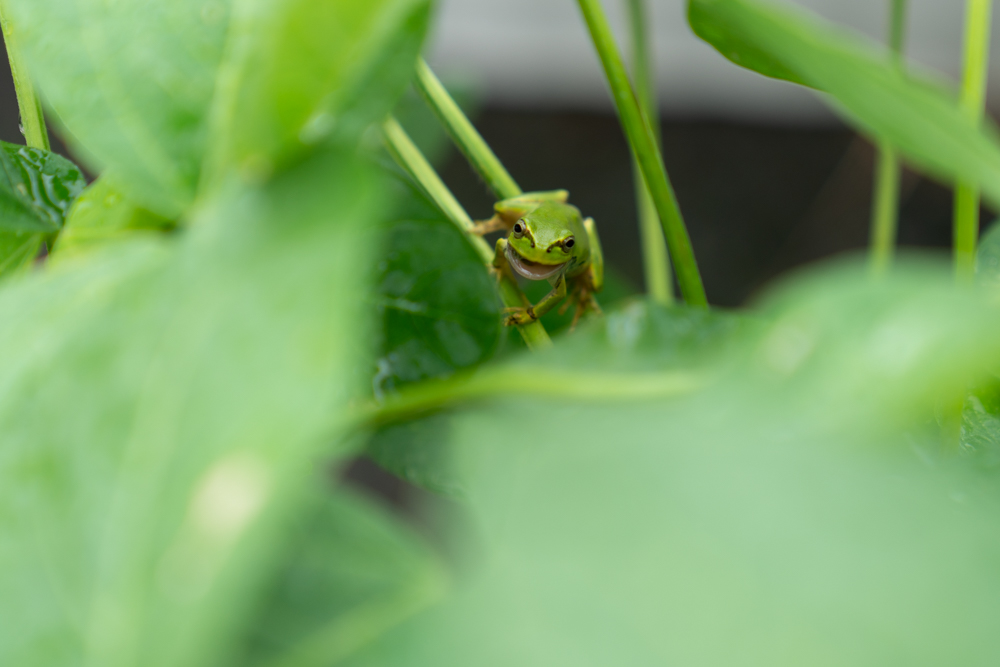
[[518, 229], [569, 243]]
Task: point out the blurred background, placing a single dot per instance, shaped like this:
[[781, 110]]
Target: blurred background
[[767, 177]]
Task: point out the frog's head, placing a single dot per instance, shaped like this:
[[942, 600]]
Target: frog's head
[[542, 243]]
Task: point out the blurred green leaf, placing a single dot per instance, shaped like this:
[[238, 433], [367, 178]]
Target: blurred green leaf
[[641, 344], [162, 410], [132, 82], [438, 305], [734, 46], [980, 435], [777, 518], [988, 258], [641, 335], [421, 452], [910, 109], [300, 71], [103, 214], [353, 572]]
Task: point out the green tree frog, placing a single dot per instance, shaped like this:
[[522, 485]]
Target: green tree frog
[[548, 240]]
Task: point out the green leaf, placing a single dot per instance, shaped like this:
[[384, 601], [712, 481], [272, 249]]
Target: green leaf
[[162, 409], [419, 452], [439, 307], [300, 71], [734, 46], [779, 517], [909, 109], [641, 348], [353, 572], [36, 189], [988, 258], [104, 214], [132, 82], [980, 434]]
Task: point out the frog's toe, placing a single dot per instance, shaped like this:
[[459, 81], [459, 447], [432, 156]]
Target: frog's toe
[[519, 316]]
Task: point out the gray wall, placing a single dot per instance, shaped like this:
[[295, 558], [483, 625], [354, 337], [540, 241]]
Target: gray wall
[[535, 53]]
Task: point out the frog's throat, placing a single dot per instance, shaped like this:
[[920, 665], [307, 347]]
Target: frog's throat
[[531, 270]]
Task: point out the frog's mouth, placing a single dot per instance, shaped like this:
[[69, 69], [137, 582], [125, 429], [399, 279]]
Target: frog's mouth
[[531, 270]]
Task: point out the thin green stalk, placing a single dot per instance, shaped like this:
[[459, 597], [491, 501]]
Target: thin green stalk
[[972, 101], [473, 146], [656, 261], [885, 203], [558, 383], [644, 149], [409, 157], [32, 119]]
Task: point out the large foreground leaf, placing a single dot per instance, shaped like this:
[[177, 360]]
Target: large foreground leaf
[[161, 411], [299, 71], [353, 572], [103, 214], [909, 109], [779, 517], [132, 82]]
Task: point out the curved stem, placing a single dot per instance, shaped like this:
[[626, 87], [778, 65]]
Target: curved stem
[[644, 149], [516, 381], [885, 203], [656, 261], [466, 137], [972, 101], [32, 119], [409, 157]]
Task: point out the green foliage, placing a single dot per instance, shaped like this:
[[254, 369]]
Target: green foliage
[[37, 189], [132, 81], [808, 481], [439, 308], [352, 573], [911, 110], [103, 214], [781, 508], [299, 71]]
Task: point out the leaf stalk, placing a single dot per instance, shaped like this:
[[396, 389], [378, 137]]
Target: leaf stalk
[[644, 149], [972, 102], [656, 261], [36, 135], [464, 134], [885, 203]]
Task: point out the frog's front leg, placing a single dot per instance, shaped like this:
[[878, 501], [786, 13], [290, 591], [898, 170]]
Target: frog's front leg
[[531, 313], [503, 269], [494, 224]]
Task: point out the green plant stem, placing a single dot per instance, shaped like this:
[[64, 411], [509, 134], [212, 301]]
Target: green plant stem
[[473, 146], [409, 157], [656, 261], [32, 119], [644, 149], [558, 383], [885, 203], [972, 101]]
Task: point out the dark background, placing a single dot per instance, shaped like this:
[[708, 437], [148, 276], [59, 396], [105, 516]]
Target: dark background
[[758, 199]]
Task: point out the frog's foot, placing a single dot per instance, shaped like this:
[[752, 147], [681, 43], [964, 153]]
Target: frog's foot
[[585, 303], [519, 316], [484, 227], [573, 298]]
